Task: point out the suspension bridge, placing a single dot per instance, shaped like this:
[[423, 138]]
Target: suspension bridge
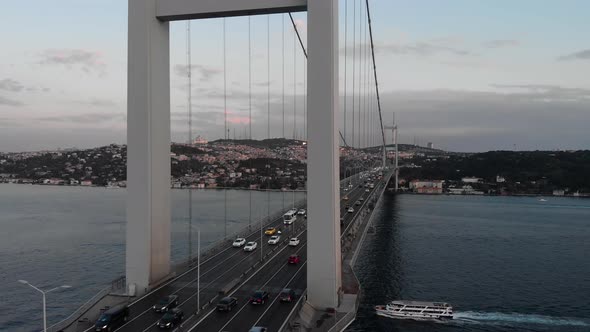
[[339, 110]]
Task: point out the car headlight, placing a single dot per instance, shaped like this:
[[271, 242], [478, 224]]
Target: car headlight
[[168, 324], [104, 327], [154, 307]]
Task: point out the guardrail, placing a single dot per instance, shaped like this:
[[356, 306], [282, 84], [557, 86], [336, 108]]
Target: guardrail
[[80, 311], [119, 284]]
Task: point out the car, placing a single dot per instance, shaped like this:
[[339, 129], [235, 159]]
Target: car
[[258, 329], [294, 259], [259, 297], [227, 303], [367, 190], [294, 242], [250, 246], [287, 295], [350, 210], [302, 212], [345, 198], [357, 203], [112, 318], [166, 303], [274, 239], [239, 242], [361, 199], [171, 319], [270, 231], [341, 221], [360, 185]]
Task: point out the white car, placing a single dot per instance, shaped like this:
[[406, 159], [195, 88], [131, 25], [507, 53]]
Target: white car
[[294, 242], [350, 210], [301, 212], [239, 242], [250, 246], [367, 190], [274, 239]]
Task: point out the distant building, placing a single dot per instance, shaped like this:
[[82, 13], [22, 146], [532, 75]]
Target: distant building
[[470, 180], [558, 192], [426, 186], [500, 179], [430, 145], [200, 140]]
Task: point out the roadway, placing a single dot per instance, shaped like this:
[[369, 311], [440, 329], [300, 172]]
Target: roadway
[[225, 268], [276, 275]]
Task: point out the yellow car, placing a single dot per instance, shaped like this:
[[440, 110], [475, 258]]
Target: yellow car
[[270, 231]]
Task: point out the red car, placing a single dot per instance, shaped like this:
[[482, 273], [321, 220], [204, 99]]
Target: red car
[[294, 259]]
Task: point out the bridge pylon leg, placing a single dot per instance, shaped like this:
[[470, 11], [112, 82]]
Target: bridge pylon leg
[[148, 148], [323, 246]]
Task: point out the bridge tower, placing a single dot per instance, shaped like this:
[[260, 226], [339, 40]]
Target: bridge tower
[[148, 136]]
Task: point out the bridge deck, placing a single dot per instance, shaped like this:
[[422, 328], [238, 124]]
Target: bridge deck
[[247, 273]]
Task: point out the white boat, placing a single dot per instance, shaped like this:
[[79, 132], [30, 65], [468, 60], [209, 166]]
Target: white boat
[[542, 200], [417, 310]]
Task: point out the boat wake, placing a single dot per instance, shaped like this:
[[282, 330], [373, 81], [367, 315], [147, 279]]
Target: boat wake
[[499, 318]]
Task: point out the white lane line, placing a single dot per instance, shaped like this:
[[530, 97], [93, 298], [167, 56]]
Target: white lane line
[[190, 281], [246, 281], [275, 299], [266, 283]]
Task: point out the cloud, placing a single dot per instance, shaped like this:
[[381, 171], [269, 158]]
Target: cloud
[[98, 102], [530, 116], [501, 43], [206, 74], [580, 55], [87, 61], [10, 85], [423, 49], [10, 102], [545, 92], [85, 118]]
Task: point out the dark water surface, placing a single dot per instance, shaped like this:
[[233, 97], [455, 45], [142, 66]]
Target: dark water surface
[[51, 236], [504, 263]]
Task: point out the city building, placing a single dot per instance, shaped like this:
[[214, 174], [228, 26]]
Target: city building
[[427, 186]]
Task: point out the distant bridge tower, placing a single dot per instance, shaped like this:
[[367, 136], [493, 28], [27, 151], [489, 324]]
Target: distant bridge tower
[[148, 136], [394, 141]]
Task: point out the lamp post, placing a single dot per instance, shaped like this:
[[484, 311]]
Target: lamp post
[[44, 292]]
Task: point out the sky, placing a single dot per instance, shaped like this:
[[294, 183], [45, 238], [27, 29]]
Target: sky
[[465, 75]]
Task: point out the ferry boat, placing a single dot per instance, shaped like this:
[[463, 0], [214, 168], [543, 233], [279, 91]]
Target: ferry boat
[[417, 310]]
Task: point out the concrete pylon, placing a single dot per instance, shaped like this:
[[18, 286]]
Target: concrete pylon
[[148, 148], [324, 263]]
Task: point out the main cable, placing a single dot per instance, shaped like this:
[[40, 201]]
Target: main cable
[[375, 76]]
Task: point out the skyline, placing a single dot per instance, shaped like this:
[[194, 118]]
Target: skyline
[[516, 80]]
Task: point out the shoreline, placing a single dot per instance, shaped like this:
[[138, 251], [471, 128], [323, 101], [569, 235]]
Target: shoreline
[[586, 196], [184, 188], [494, 195]]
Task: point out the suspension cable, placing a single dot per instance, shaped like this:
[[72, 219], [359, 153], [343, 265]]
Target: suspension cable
[[268, 110], [375, 76], [294, 86], [353, 66], [345, 62], [250, 107], [283, 43], [226, 134], [360, 78], [305, 86], [190, 137]]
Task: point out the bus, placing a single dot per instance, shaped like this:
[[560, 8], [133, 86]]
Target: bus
[[290, 217]]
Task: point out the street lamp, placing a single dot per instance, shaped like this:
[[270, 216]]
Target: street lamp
[[44, 292]]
